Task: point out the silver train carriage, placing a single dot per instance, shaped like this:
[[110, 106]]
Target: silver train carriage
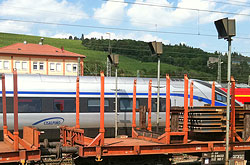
[[47, 102]]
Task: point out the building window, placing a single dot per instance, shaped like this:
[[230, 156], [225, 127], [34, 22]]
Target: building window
[[52, 66], [41, 65], [58, 67], [74, 67], [1, 65], [18, 65], [6, 65], [68, 67], [34, 65], [24, 65]]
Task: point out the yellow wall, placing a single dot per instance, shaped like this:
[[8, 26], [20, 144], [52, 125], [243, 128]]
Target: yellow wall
[[38, 60], [70, 62], [2, 59], [21, 60], [55, 62]]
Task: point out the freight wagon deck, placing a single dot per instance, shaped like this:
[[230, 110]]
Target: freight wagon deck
[[143, 141]]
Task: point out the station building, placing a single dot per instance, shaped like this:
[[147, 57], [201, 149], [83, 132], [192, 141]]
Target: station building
[[30, 58]]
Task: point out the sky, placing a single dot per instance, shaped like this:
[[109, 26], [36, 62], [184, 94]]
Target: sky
[[169, 21]]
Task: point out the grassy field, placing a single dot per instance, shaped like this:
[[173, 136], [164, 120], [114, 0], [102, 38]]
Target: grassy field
[[127, 66]]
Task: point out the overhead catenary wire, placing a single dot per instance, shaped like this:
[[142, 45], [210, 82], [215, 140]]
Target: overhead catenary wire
[[230, 3], [115, 28], [176, 7], [146, 49], [239, 2], [71, 14], [110, 19]]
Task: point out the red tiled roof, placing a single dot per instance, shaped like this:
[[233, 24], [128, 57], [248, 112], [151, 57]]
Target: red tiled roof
[[37, 49]]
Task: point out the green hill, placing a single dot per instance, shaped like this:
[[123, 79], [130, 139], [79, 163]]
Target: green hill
[[134, 55]]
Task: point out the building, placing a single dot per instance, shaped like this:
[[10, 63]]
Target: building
[[212, 60], [235, 62], [30, 58]]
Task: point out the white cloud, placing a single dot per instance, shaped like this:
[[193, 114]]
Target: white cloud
[[203, 45], [242, 17], [165, 17], [110, 12], [62, 35], [238, 1], [14, 27], [134, 36], [44, 33], [42, 10]]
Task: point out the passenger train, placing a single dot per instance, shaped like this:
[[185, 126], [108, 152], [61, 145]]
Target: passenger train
[[241, 94], [47, 102]]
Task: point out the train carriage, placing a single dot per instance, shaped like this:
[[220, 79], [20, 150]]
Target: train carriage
[[47, 102]]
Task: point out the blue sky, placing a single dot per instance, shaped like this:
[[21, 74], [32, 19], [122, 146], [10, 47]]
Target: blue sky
[[153, 18]]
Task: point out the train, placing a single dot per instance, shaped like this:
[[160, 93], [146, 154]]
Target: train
[[47, 102], [241, 94]]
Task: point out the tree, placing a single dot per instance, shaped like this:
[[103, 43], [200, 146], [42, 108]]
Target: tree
[[70, 37]]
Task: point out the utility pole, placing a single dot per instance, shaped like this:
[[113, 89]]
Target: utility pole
[[114, 59], [158, 94], [228, 99], [226, 30], [116, 102], [108, 62], [78, 66], [249, 80], [156, 49], [219, 70]]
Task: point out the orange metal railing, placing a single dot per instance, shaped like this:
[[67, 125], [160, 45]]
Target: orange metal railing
[[149, 105]]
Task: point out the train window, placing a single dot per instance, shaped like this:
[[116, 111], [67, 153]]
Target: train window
[[1, 105], [154, 105], [94, 105], [64, 105], [30, 105], [220, 98], [127, 104], [162, 105]]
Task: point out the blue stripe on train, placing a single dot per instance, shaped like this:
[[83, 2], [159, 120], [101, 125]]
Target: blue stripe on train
[[208, 101]]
